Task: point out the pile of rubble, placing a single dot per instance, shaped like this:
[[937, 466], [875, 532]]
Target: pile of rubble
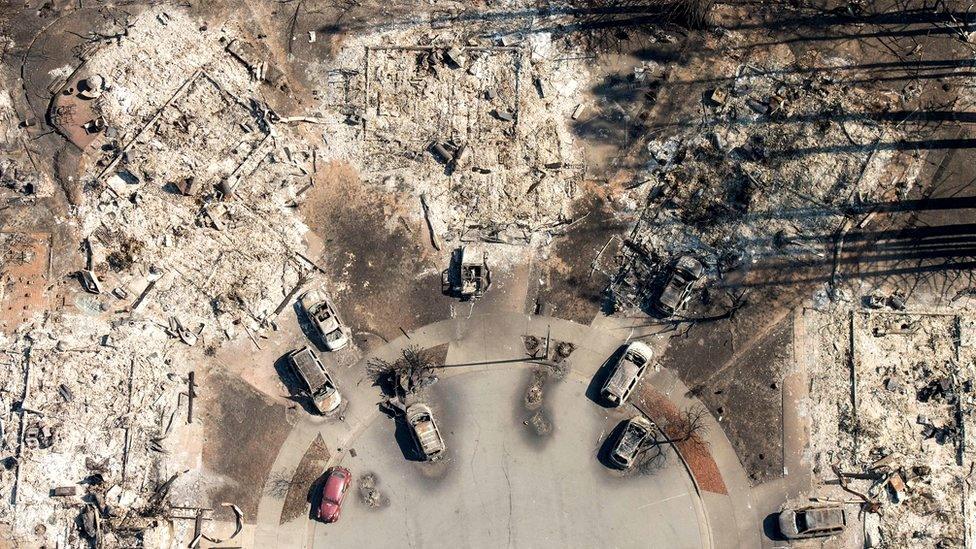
[[90, 407], [191, 238], [18, 174], [476, 128], [892, 422], [191, 241], [195, 186], [769, 172]]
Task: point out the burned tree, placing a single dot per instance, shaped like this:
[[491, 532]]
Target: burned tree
[[686, 430], [409, 374], [692, 14], [280, 483]]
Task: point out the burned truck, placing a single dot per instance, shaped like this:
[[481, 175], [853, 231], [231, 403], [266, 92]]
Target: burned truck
[[468, 277]]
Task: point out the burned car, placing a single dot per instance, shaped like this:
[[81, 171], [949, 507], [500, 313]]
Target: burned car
[[635, 433], [322, 313], [425, 431], [625, 374], [468, 277], [812, 522], [673, 296], [319, 385]]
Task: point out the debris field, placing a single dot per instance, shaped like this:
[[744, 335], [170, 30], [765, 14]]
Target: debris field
[[774, 198]]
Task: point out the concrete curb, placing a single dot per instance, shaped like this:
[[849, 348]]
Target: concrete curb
[[592, 341]]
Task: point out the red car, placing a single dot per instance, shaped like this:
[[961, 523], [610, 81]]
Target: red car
[[337, 481]]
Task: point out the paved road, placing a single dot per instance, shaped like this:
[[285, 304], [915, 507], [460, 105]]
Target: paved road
[[503, 486], [560, 494]]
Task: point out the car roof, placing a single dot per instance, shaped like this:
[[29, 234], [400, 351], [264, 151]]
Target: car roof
[[824, 518], [317, 297], [427, 432], [689, 262], [310, 368], [629, 439], [625, 369], [671, 294], [323, 313], [338, 478]]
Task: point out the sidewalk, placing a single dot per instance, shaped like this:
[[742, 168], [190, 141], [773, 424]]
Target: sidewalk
[[720, 515]]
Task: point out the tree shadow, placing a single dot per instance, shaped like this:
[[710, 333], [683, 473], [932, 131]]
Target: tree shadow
[[314, 496]]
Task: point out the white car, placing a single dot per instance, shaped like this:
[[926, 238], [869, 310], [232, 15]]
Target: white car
[[320, 310], [626, 373], [812, 522]]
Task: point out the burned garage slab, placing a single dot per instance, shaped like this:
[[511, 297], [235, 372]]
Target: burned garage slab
[[421, 94], [741, 383], [464, 117], [239, 425], [470, 128]]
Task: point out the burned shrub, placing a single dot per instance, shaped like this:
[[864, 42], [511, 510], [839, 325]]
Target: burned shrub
[[410, 373]]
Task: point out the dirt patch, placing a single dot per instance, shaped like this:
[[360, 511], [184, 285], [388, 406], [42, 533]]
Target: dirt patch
[[747, 399], [568, 284], [438, 353], [736, 368], [303, 482], [242, 434], [384, 278], [23, 276], [695, 453], [480, 129]]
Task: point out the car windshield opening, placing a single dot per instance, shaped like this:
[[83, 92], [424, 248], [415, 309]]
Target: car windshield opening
[[801, 522]]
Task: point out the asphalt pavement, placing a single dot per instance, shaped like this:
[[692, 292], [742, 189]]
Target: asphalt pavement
[[500, 484]]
